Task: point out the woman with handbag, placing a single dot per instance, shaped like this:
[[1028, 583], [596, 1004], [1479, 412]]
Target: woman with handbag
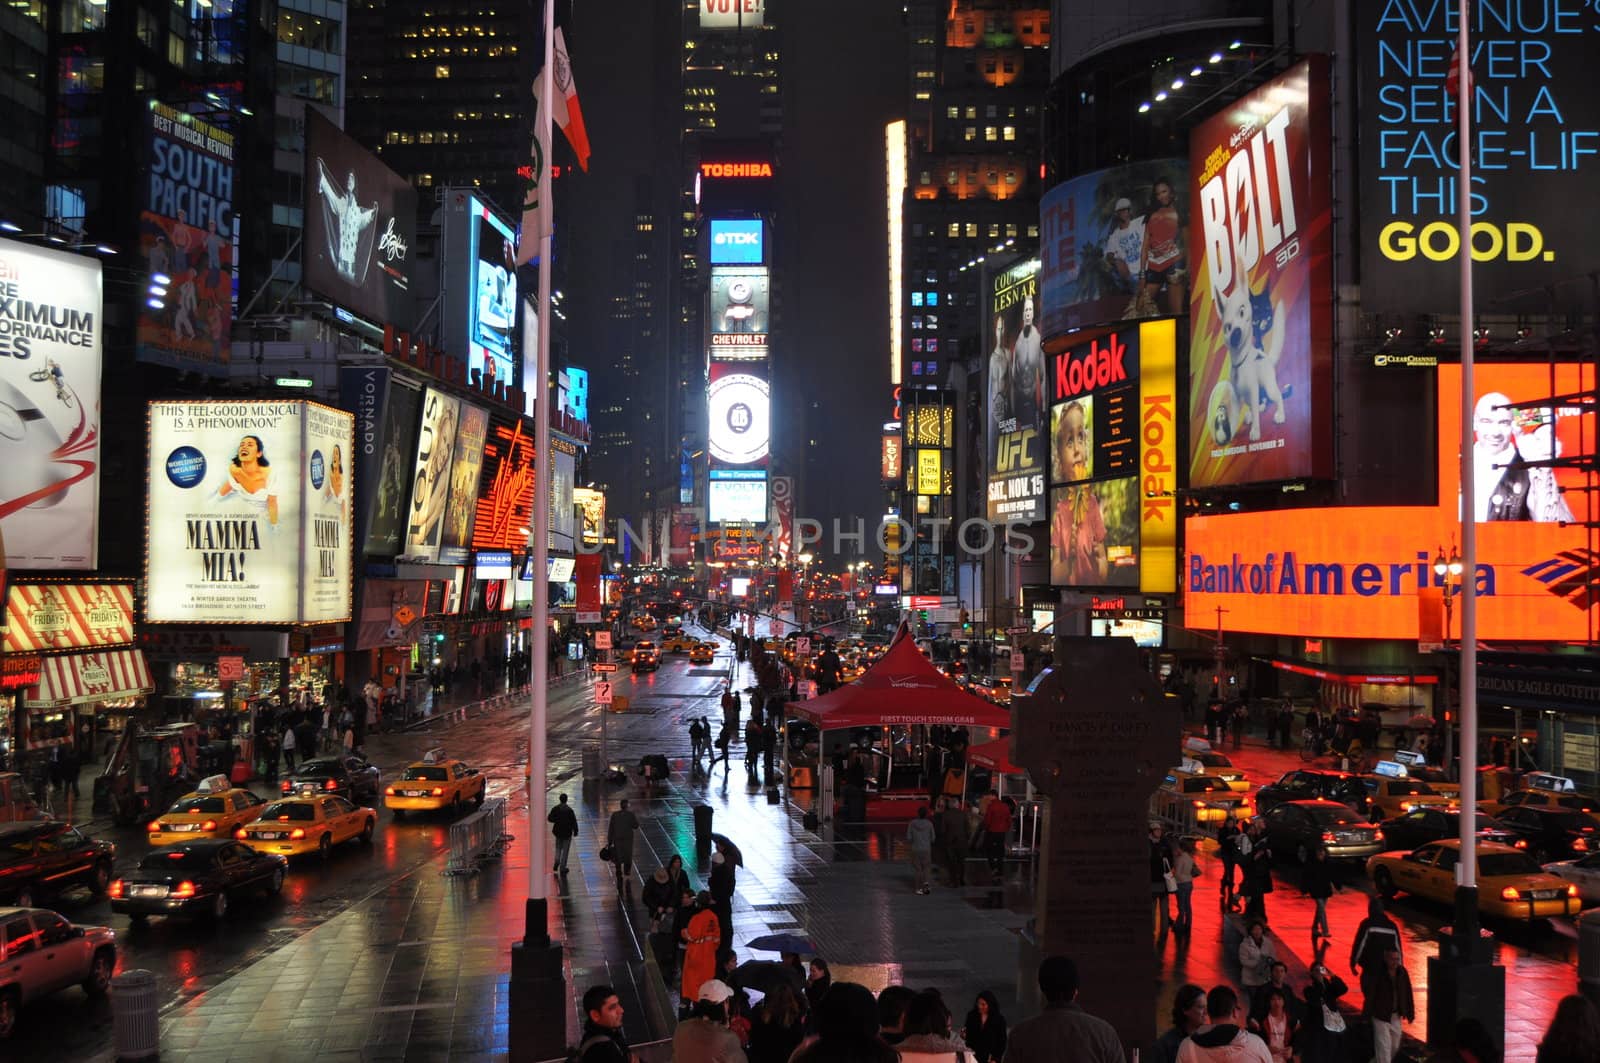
[[1184, 872], [1161, 880], [1320, 1038]]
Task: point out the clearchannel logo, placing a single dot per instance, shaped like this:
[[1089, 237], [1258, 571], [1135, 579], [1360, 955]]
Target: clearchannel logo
[[736, 242]]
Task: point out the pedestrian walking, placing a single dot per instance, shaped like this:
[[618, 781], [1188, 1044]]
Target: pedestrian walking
[[1221, 1039], [288, 745], [1317, 882], [695, 741], [1184, 872], [919, 844], [700, 937], [996, 829], [602, 1040], [1063, 1032], [1161, 881], [1237, 721], [954, 837], [1258, 873], [1256, 956], [1387, 1003], [752, 748], [1376, 934], [564, 825], [619, 838], [1229, 840], [769, 746], [724, 740]]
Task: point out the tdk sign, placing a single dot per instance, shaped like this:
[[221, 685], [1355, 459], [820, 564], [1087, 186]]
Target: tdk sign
[[736, 242]]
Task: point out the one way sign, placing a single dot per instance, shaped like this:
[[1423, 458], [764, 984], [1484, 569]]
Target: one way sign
[[602, 692]]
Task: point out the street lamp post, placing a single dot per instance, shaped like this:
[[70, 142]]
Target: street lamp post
[[1449, 573]]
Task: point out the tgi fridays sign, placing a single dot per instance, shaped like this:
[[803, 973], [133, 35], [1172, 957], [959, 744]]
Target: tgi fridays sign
[[68, 616]]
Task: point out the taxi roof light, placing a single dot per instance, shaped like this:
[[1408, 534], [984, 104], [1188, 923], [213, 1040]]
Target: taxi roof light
[[214, 784], [434, 755]]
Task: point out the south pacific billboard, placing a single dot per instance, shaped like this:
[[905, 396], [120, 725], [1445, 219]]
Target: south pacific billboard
[[1260, 357], [1535, 150], [1355, 572]]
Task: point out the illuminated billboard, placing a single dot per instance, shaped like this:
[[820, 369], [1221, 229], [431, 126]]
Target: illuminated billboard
[[563, 518], [466, 467], [360, 226], [741, 501], [592, 520], [889, 460], [1260, 346], [738, 414], [1015, 385], [493, 309], [572, 392], [392, 468], [430, 478], [1096, 263], [506, 497], [1356, 572], [738, 311], [737, 242], [732, 14], [1112, 418], [51, 337], [186, 236], [249, 513], [1534, 139]]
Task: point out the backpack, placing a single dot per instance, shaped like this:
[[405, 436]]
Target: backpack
[[575, 1054]]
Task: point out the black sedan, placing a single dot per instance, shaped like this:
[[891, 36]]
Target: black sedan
[[195, 878], [348, 776], [1429, 824], [1297, 827], [1552, 833], [1309, 784]]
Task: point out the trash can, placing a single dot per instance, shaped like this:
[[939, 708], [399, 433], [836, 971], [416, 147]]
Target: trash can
[[702, 826], [133, 1012], [1589, 955], [591, 765]]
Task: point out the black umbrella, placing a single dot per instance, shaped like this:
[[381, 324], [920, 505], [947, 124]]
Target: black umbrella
[[764, 976], [728, 849], [798, 944]]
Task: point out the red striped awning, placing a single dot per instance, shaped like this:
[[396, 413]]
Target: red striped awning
[[79, 678]]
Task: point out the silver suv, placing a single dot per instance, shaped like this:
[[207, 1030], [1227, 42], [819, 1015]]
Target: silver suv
[[40, 953]]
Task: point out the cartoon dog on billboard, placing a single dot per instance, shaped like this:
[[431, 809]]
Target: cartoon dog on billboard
[[1252, 331]]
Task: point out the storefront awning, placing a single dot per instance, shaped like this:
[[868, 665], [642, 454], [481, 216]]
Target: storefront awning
[[80, 678]]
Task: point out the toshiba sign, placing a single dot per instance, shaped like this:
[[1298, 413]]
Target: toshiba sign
[[736, 169]]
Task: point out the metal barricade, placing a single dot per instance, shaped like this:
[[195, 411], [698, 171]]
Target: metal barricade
[[477, 838]]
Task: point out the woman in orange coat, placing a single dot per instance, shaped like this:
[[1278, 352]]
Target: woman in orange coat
[[700, 961]]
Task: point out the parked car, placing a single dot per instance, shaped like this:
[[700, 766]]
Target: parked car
[[349, 775], [1583, 873], [1297, 827], [42, 953], [1553, 833], [40, 860], [1310, 784], [196, 878]]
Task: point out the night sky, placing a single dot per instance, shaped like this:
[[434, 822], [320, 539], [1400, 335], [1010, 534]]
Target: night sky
[[844, 76]]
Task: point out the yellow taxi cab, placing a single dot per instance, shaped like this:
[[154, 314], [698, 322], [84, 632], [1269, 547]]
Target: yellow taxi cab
[[215, 810], [645, 656], [433, 783], [1541, 790], [644, 622], [1511, 884], [1215, 765], [1211, 800], [308, 822], [1393, 791], [679, 643], [702, 653]]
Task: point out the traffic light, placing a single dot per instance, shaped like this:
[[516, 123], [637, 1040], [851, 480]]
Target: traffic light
[[966, 620], [438, 636], [922, 616]]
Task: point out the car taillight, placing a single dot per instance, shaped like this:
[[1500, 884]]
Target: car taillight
[[389, 790], [1510, 894], [116, 889], [285, 788], [1327, 836], [331, 784], [1407, 806], [1377, 835], [1199, 804], [1572, 889], [438, 791], [209, 824], [1580, 845], [1520, 843], [183, 889], [154, 828], [239, 834], [297, 834]]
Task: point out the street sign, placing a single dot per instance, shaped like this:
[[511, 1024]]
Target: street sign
[[802, 647], [602, 692], [1017, 663], [230, 669], [589, 617], [1019, 631], [602, 640], [807, 689], [603, 666]]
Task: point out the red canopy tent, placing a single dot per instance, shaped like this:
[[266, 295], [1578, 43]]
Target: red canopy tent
[[903, 687], [996, 756]]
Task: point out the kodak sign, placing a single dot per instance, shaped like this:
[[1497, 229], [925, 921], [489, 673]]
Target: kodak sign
[[1158, 452]]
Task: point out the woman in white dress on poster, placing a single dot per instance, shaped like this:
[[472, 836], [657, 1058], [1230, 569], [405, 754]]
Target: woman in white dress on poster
[[252, 479]]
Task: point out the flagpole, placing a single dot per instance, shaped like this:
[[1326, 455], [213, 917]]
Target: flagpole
[[537, 1001]]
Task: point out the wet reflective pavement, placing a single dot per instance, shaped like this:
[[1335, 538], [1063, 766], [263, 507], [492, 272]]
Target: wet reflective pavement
[[379, 956]]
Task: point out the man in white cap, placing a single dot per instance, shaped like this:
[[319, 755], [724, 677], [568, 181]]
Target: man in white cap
[[705, 1036], [1124, 244]]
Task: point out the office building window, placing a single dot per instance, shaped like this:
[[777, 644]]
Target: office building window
[[954, 232], [990, 133], [1009, 132], [972, 230], [970, 133]]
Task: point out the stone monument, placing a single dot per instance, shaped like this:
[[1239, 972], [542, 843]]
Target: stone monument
[[1096, 736]]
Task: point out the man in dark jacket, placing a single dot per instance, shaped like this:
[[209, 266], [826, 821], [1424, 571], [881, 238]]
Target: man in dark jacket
[[1376, 934], [602, 1028], [1317, 881], [1387, 992], [720, 885], [564, 825]]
